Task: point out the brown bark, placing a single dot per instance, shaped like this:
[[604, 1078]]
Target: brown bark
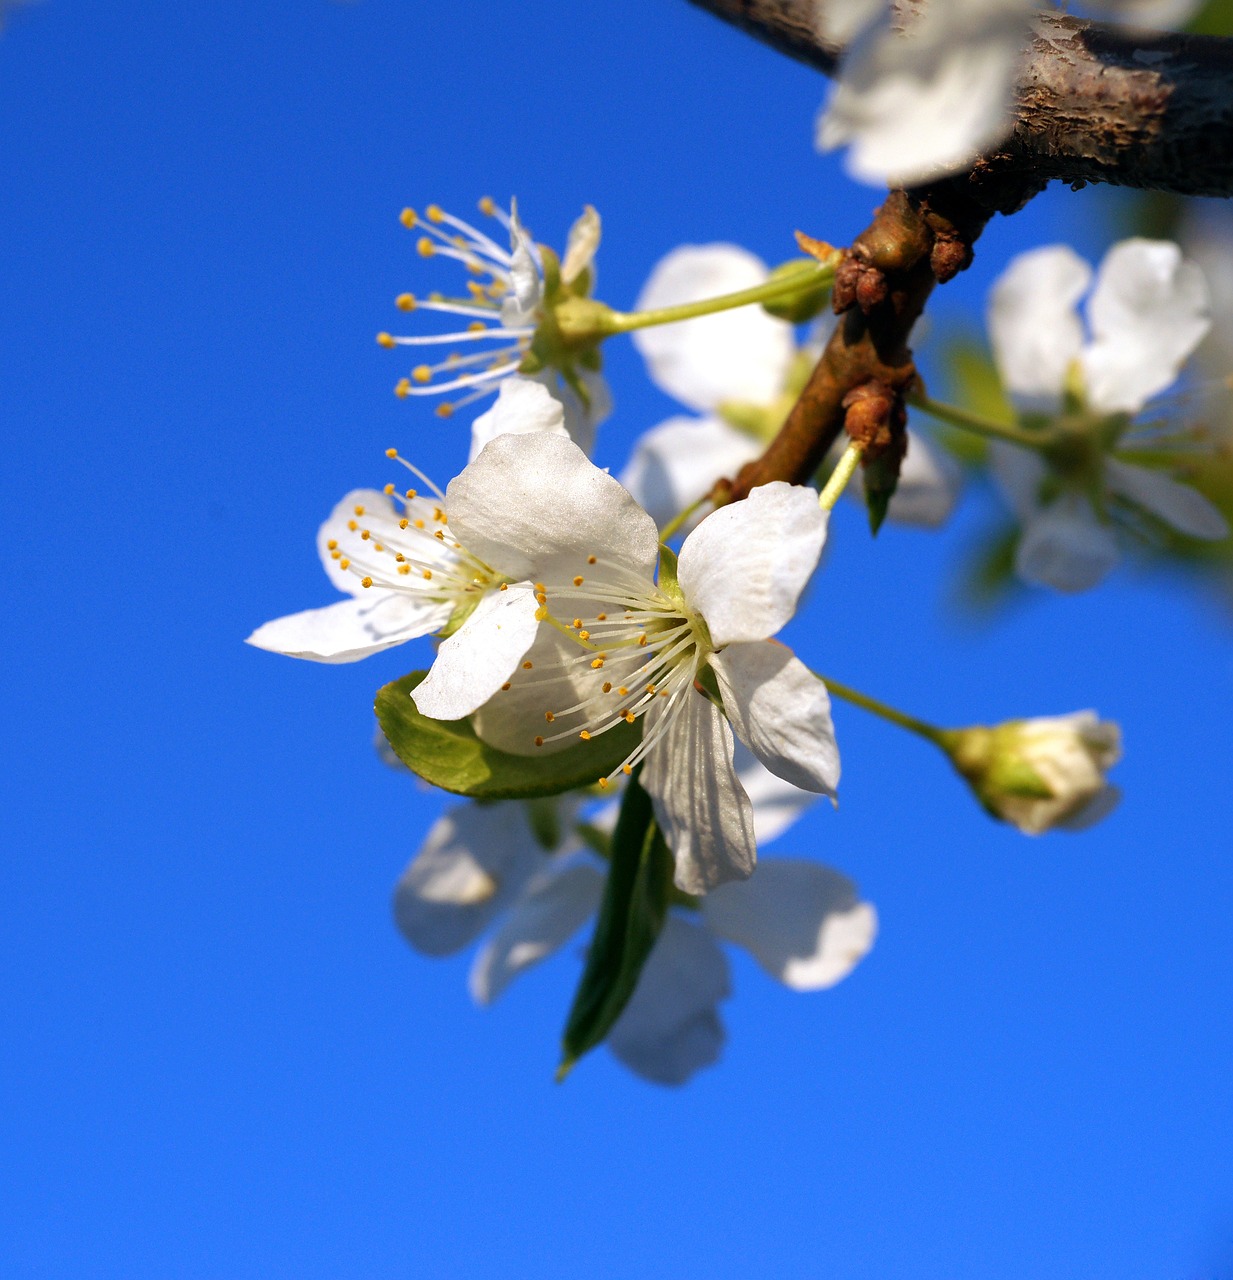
[[1093, 103]]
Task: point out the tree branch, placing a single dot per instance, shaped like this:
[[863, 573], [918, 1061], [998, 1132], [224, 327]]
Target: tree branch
[[1093, 103]]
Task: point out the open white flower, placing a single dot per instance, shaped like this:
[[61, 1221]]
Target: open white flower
[[481, 866], [1148, 311], [504, 306], [743, 370], [922, 93], [396, 556], [1042, 774], [620, 646]]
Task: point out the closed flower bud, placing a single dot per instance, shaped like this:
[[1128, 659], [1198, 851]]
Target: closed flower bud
[[1040, 774]]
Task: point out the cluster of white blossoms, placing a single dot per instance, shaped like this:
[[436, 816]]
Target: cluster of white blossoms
[[570, 625], [924, 89]]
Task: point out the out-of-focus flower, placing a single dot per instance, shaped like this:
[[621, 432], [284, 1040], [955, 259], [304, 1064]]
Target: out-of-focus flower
[[1147, 312], [742, 370], [625, 646], [1042, 774], [482, 869]]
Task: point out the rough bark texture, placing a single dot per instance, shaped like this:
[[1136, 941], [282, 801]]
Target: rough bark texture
[[1093, 103]]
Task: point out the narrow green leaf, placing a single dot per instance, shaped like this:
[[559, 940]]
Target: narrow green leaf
[[449, 755], [630, 917]]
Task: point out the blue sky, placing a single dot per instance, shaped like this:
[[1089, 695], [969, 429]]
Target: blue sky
[[219, 1058]]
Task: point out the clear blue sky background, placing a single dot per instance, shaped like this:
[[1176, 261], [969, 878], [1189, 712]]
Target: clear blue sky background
[[219, 1060]]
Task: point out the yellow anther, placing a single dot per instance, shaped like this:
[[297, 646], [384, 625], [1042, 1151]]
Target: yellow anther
[[378, 546], [539, 742], [663, 693], [398, 555], [444, 410], [585, 736], [386, 340], [650, 688], [402, 524], [642, 639], [476, 326], [476, 290], [391, 453], [623, 691], [344, 564], [505, 586], [459, 242], [627, 769], [487, 206], [422, 373], [539, 586], [405, 302], [584, 635], [577, 582], [434, 213], [549, 716], [439, 535], [596, 663], [365, 535], [506, 687], [425, 247], [419, 524], [590, 559], [407, 218], [402, 388], [607, 686], [333, 542], [540, 614], [411, 493], [335, 555], [352, 525], [603, 784], [576, 624], [628, 717], [427, 575], [601, 617], [388, 490], [541, 598], [404, 569], [365, 582], [359, 509], [526, 666]]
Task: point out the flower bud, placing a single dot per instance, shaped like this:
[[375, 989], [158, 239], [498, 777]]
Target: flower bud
[[1040, 774]]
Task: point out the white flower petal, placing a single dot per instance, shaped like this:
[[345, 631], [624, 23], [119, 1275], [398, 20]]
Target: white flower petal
[[527, 500], [352, 629], [1018, 473], [802, 922], [741, 354], [581, 420], [928, 488], [522, 302], [744, 567], [781, 711], [473, 663], [1065, 546], [336, 528], [1097, 809], [917, 104], [1149, 310], [677, 463], [703, 811], [671, 1026], [581, 246], [474, 861], [555, 905], [1177, 504], [522, 407], [776, 804], [1034, 325]]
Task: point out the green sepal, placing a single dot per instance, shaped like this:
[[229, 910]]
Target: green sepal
[[809, 301], [667, 578], [1018, 778], [631, 915], [544, 819], [881, 477], [461, 613], [448, 753]]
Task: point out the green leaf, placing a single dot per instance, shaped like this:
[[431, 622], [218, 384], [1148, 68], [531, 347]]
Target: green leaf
[[808, 301], [448, 754], [631, 915], [881, 477]]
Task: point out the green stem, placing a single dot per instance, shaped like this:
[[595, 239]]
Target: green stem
[[768, 291], [677, 521], [931, 733], [987, 427], [839, 478]]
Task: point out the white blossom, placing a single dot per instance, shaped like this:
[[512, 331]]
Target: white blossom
[[481, 870], [737, 367], [503, 307], [1041, 774], [1147, 312], [395, 555], [618, 646]]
